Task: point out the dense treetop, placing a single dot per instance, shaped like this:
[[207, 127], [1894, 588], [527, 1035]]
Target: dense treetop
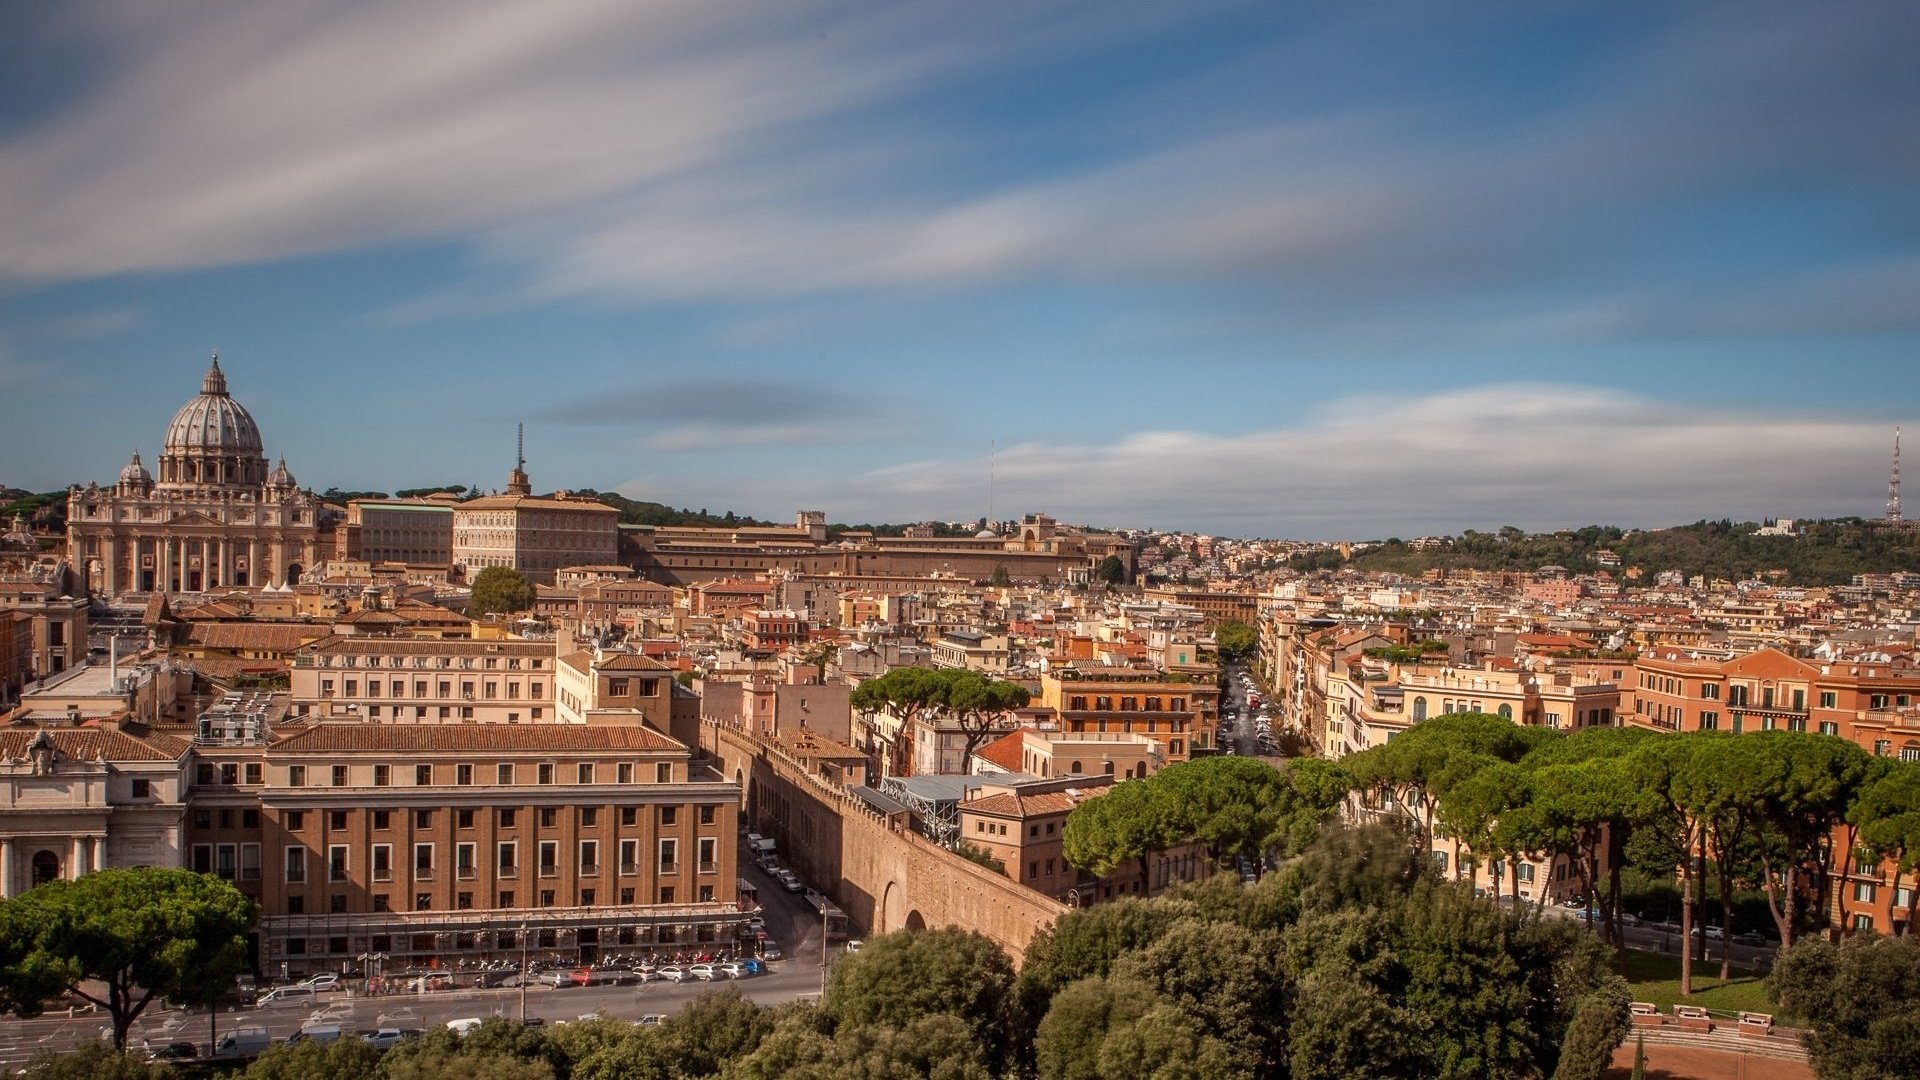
[[1826, 552]]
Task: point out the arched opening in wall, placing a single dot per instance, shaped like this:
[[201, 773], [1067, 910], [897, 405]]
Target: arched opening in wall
[[889, 917], [46, 867], [914, 921], [293, 574]]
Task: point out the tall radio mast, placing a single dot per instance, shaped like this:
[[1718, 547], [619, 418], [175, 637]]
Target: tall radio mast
[[1893, 483]]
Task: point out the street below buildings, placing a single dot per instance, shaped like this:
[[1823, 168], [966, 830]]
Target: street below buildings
[[792, 924]]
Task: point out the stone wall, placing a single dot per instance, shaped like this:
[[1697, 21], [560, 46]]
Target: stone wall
[[883, 875]]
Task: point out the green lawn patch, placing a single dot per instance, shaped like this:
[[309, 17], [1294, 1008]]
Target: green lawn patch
[[1655, 977]]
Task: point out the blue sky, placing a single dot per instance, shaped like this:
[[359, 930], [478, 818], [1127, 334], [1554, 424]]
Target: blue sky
[[1262, 269]]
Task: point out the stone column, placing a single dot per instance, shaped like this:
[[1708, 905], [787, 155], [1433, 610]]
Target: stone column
[[113, 566], [253, 564], [99, 853], [163, 563], [6, 868], [78, 864]]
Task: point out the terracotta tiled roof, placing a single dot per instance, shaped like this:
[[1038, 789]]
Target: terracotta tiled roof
[[1038, 804], [1005, 751], [583, 661], [532, 502], [262, 636], [91, 744], [419, 738]]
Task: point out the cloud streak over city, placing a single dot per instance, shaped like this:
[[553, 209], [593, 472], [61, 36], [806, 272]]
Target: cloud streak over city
[[845, 247]]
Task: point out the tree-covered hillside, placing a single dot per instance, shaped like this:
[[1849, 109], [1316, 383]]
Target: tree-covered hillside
[[1823, 553], [640, 512]]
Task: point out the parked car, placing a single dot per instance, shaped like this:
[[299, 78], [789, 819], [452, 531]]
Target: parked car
[[651, 1020], [645, 975], [322, 982], [855, 945], [790, 881], [736, 969], [285, 995], [555, 978], [706, 972], [243, 1042], [319, 1033], [674, 973], [770, 951], [174, 1051], [386, 1038], [397, 1018]]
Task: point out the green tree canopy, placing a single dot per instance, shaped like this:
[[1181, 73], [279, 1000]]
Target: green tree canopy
[[1859, 997], [499, 590], [121, 938], [1235, 640], [1111, 571], [978, 705], [903, 977]]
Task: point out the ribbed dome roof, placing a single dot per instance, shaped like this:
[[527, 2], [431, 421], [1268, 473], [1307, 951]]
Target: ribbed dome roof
[[213, 422], [135, 473], [282, 476]]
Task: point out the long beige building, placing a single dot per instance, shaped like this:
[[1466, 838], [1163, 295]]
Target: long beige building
[[216, 516], [534, 534]]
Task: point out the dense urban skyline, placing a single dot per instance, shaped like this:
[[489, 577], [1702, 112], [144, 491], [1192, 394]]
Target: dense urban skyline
[[1317, 275]]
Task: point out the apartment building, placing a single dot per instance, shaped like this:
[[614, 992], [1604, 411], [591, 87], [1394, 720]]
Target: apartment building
[[1180, 713], [1022, 825], [426, 680], [434, 844]]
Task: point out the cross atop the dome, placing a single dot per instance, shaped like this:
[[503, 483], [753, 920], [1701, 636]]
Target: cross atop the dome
[[216, 380]]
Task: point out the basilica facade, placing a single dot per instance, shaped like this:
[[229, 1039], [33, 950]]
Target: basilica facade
[[215, 516]]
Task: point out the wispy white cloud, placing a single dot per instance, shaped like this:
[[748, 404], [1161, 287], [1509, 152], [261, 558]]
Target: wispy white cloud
[[688, 152], [1532, 455]]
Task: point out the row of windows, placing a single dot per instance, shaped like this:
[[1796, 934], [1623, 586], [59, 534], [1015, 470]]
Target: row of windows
[[504, 773], [506, 859], [489, 689], [548, 817], [486, 663], [1104, 703], [463, 901]]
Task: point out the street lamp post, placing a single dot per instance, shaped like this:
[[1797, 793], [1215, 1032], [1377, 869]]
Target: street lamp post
[[523, 972]]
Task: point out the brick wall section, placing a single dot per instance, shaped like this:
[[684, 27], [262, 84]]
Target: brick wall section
[[882, 874]]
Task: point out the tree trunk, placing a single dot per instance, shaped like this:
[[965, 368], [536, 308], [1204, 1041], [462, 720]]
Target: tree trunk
[[1686, 925], [1772, 888], [1615, 849], [1726, 920]]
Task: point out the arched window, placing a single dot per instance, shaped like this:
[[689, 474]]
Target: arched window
[[1109, 768], [1506, 712], [1446, 707], [1419, 708], [46, 867], [1076, 767]]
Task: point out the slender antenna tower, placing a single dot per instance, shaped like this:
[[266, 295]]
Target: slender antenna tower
[[520, 451], [1893, 483], [993, 449]]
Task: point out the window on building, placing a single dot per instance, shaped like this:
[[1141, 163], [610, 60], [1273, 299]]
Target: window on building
[[669, 856], [337, 862], [504, 773], [463, 775], [296, 776], [589, 856], [585, 771], [255, 772], [509, 856], [339, 776], [707, 814], [423, 775], [663, 772], [382, 775], [336, 819], [545, 773]]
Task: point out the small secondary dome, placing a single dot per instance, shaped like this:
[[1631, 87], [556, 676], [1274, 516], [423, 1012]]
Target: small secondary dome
[[135, 473]]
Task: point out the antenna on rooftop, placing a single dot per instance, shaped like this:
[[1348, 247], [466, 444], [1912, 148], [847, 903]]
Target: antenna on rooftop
[[1893, 482], [520, 453]]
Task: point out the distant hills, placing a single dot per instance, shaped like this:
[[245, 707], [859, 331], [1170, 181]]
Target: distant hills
[[1826, 552]]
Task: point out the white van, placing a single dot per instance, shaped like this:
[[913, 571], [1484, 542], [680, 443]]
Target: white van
[[286, 995], [243, 1042]]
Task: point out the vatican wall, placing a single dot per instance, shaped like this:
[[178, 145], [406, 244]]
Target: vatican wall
[[882, 874]]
